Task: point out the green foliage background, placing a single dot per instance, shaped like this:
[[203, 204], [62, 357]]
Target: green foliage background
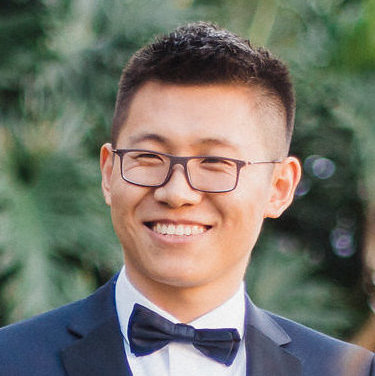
[[61, 61]]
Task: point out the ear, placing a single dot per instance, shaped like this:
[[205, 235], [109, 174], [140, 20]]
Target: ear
[[286, 177], [106, 166]]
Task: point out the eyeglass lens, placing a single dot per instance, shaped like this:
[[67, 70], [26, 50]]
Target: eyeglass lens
[[206, 174]]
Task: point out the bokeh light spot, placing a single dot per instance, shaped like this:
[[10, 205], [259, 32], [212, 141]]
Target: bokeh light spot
[[342, 242], [320, 167]]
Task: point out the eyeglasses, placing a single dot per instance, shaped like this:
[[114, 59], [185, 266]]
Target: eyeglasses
[[205, 173]]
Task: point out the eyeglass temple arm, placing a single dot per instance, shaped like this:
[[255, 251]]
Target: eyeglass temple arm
[[263, 162]]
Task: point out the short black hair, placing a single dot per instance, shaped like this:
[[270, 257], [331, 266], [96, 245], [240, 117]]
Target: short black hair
[[203, 53]]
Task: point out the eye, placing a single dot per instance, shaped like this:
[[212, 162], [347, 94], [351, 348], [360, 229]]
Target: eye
[[148, 156], [215, 160], [217, 164]]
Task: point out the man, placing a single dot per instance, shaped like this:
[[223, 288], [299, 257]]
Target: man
[[199, 157]]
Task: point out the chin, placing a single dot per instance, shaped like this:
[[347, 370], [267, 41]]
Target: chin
[[179, 278]]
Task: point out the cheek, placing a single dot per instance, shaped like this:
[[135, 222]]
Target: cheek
[[247, 204], [242, 217], [124, 202]]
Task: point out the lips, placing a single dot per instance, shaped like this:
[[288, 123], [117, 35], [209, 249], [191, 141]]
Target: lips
[[178, 229]]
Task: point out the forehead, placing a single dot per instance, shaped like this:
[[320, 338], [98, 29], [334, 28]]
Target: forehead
[[204, 117]]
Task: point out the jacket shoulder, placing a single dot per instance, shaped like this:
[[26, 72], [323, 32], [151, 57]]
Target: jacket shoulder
[[38, 341], [319, 351]]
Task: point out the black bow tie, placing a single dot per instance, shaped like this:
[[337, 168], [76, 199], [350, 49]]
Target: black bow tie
[[148, 332]]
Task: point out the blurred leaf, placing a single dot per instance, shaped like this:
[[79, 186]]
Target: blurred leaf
[[288, 283]]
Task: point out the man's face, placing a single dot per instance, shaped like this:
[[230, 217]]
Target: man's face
[[188, 121]]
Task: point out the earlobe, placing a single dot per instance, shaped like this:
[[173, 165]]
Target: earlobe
[[286, 177], [106, 165]]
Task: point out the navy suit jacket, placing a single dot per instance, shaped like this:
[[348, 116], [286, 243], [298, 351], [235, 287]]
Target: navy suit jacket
[[84, 339]]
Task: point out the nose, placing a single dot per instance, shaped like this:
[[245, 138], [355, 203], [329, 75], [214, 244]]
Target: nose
[[177, 192]]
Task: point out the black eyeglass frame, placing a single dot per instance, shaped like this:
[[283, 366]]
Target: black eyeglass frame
[[183, 161]]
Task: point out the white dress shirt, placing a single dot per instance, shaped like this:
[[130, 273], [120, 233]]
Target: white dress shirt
[[182, 359]]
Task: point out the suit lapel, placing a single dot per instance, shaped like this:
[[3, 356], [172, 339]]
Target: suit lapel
[[264, 338], [101, 352], [98, 346]]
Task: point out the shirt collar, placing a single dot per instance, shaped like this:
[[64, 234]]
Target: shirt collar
[[230, 314]]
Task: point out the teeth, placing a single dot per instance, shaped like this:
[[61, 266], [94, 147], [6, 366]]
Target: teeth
[[171, 229], [180, 230], [158, 228], [196, 230]]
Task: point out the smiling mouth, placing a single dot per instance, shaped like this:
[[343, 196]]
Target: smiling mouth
[[176, 229]]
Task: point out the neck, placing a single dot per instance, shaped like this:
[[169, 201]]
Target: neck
[[186, 303]]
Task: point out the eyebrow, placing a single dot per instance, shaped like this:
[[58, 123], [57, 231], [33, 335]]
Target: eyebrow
[[148, 137], [217, 142], [209, 141]]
